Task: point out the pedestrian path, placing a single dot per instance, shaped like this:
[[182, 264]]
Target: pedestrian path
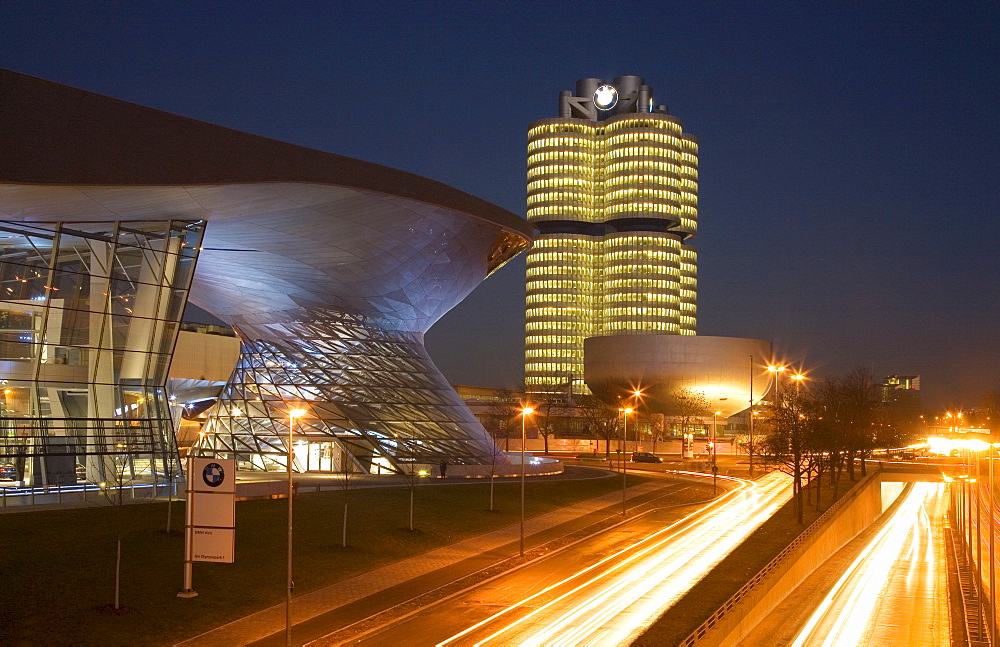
[[418, 569]]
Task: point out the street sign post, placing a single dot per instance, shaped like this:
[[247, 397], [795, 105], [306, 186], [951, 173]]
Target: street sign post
[[211, 515]]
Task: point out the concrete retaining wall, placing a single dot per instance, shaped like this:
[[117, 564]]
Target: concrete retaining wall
[[841, 523]]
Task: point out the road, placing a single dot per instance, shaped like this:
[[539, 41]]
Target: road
[[890, 588], [604, 590]]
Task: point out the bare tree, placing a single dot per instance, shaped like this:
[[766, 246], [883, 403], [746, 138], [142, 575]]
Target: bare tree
[[551, 412], [119, 491], [755, 446], [347, 472], [788, 444], [686, 405], [495, 463], [656, 422], [602, 419], [504, 415], [851, 405]]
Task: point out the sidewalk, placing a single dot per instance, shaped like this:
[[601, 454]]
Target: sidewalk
[[416, 575]]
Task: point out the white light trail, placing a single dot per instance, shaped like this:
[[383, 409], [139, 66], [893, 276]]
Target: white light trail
[[899, 573], [612, 601]]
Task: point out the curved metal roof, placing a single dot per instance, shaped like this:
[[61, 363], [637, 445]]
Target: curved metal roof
[[58, 135]]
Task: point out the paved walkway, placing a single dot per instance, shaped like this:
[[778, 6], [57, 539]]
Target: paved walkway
[[407, 578]]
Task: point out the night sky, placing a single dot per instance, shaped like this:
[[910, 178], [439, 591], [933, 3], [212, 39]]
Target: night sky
[[849, 164]]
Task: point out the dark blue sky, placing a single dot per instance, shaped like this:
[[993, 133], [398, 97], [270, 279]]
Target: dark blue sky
[[849, 165]]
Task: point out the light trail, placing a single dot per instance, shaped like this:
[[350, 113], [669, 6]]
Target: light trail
[[896, 589], [615, 599]]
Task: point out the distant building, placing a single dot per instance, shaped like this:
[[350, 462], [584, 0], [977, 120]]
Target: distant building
[[901, 401], [899, 387]]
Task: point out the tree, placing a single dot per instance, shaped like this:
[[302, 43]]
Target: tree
[[756, 445], [656, 423], [685, 405], [348, 473], [788, 440], [118, 489], [602, 419], [495, 455], [851, 404], [504, 416], [550, 412]]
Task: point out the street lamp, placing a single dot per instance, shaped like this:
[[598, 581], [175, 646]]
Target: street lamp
[[798, 377], [625, 413], [774, 370], [292, 415], [993, 597], [715, 433], [525, 412]]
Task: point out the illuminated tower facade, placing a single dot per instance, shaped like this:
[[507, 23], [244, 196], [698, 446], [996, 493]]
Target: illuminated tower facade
[[613, 191]]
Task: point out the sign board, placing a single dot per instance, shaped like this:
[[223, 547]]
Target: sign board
[[213, 511], [215, 475], [213, 545]]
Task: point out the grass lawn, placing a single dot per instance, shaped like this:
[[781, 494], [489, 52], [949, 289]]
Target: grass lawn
[[57, 566]]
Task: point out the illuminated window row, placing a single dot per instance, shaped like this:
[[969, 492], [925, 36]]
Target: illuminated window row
[[571, 143], [583, 157], [584, 214], [643, 176], [619, 284], [542, 341], [642, 151], [584, 183], [560, 128], [626, 327], [639, 207], [661, 122], [566, 353], [560, 272], [557, 327], [568, 313], [567, 196], [644, 193], [562, 169], [634, 238], [567, 256], [668, 297]]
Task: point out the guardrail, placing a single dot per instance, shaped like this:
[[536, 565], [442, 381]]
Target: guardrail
[[28, 496], [773, 565]]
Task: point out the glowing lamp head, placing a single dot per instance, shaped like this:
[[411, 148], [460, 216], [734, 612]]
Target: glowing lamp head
[[296, 413], [527, 411], [605, 97], [626, 411]]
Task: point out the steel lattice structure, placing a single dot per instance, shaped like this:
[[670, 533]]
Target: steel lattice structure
[[373, 392]]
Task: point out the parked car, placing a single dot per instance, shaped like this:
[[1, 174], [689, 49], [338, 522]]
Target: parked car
[[8, 471], [645, 457]]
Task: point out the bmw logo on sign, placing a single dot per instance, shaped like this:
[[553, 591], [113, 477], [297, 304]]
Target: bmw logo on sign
[[213, 475]]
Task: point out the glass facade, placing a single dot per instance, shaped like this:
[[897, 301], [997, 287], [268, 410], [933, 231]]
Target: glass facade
[[89, 315], [373, 398], [615, 201]]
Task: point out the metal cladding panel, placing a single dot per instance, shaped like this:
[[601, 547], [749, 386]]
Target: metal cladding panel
[[718, 367]]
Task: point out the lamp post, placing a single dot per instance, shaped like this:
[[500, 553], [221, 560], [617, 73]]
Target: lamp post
[[774, 370], [624, 413], [798, 377], [750, 418], [715, 449], [292, 415], [993, 579], [525, 412]]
